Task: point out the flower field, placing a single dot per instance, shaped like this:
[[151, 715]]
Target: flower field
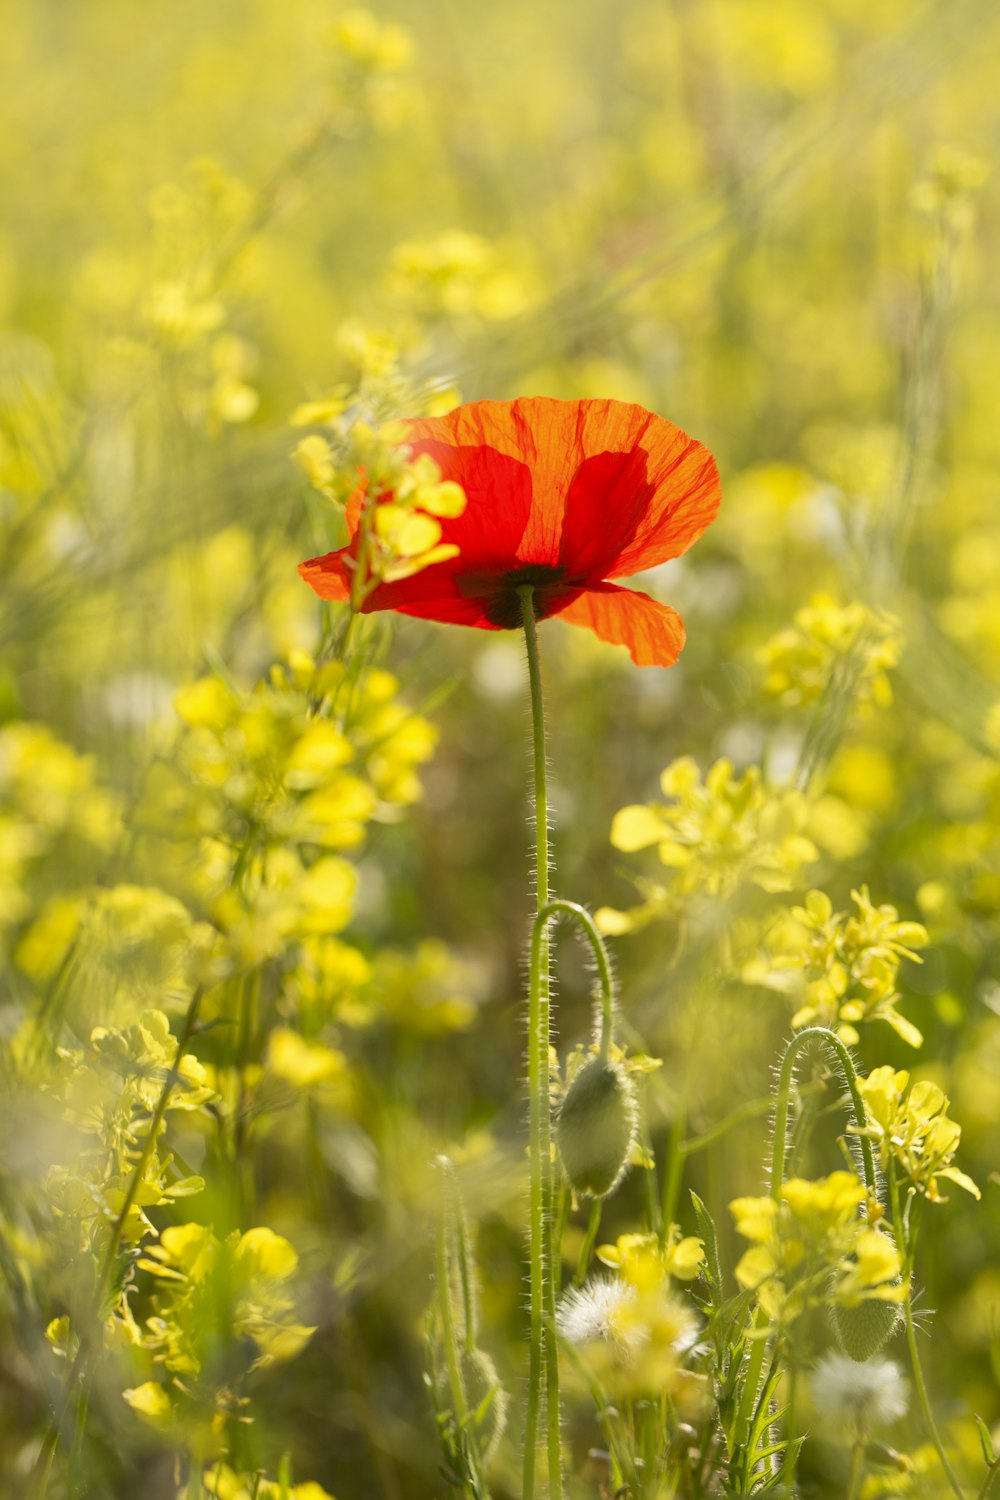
[[499, 751]]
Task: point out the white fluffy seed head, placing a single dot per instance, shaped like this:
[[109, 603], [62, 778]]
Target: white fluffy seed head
[[858, 1396], [604, 1308]]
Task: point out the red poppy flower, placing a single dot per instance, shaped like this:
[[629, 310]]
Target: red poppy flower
[[564, 495]]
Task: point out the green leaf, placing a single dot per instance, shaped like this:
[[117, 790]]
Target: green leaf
[[707, 1231]]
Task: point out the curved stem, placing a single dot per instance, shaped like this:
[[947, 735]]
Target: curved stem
[[543, 1366], [539, 934], [801, 1040], [779, 1149]]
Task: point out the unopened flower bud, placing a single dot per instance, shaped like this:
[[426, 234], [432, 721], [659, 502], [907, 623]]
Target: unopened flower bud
[[863, 1330], [596, 1127]]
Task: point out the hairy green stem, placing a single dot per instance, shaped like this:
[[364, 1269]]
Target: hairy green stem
[[449, 1338], [579, 914], [779, 1149], [799, 1042], [920, 1384], [543, 1366]]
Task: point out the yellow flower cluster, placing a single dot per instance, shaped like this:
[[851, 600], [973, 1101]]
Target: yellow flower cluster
[[911, 1128], [713, 836], [840, 967], [394, 505], [946, 192], [224, 1483], [644, 1262], [50, 800], [269, 791], [456, 275], [371, 61], [107, 1091], [636, 1326], [245, 1278], [812, 1248], [831, 647], [177, 303]]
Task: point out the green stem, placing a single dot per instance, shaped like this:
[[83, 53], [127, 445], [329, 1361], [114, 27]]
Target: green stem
[[593, 1224], [789, 1458], [543, 1367], [673, 1168], [779, 1148], [751, 1378], [746, 1112], [799, 1042], [448, 1337], [987, 1484], [560, 1219], [923, 1399], [857, 1469], [463, 1251], [539, 936]]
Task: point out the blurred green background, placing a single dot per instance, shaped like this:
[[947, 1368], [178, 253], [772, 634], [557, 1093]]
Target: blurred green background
[[771, 221]]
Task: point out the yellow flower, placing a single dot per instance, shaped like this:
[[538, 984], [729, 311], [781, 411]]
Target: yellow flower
[[910, 1126], [713, 835], [841, 966], [813, 1248]]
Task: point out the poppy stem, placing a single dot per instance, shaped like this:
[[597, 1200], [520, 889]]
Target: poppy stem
[[543, 1367]]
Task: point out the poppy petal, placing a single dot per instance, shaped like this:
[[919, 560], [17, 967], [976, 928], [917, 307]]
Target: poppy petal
[[653, 632], [497, 488], [608, 498], [686, 495], [329, 575], [643, 500], [584, 457]]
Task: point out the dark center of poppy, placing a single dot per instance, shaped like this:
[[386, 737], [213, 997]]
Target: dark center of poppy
[[501, 601]]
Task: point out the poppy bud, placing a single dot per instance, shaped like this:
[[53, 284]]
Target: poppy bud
[[596, 1127], [864, 1329]]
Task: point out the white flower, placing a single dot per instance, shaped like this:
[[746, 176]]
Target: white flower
[[859, 1396], [605, 1308], [610, 1308]]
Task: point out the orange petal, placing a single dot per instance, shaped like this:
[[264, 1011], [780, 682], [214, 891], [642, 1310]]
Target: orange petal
[[328, 575], [620, 518], [498, 492], [653, 632]]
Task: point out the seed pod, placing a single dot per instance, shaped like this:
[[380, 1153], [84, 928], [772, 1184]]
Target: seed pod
[[866, 1328], [596, 1127]]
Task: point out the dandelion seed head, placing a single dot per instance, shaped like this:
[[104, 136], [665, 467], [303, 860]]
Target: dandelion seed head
[[859, 1396], [605, 1309]]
